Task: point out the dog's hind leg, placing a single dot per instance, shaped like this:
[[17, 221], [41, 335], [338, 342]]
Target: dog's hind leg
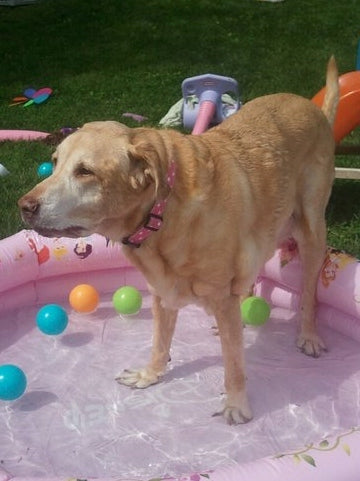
[[310, 234]]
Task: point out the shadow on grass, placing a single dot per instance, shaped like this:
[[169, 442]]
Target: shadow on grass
[[344, 203], [343, 216]]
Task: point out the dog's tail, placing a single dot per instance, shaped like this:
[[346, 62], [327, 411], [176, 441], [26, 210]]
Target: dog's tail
[[332, 93]]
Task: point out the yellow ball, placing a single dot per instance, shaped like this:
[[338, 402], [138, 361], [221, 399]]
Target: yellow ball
[[84, 298]]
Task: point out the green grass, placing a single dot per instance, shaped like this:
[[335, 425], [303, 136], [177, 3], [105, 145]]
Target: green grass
[[106, 58]]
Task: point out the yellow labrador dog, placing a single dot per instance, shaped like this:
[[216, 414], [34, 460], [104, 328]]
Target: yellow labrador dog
[[199, 215]]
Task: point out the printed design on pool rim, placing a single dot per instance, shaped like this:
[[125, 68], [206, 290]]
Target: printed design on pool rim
[[324, 446]]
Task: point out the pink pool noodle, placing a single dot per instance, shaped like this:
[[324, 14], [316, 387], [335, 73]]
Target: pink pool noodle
[[22, 135]]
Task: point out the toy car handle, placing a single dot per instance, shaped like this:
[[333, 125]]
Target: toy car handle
[[206, 114]]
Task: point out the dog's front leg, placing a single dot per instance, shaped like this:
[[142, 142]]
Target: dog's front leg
[[163, 330], [227, 314]]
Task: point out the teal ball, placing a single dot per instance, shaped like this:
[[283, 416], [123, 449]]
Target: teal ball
[[45, 169], [12, 382], [52, 319]]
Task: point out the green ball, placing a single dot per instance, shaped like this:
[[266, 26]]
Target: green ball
[[127, 300], [255, 311]]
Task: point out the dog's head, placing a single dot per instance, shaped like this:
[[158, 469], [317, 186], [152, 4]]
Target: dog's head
[[106, 177]]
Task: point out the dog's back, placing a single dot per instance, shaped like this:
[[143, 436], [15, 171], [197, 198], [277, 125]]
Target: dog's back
[[285, 147], [284, 122]]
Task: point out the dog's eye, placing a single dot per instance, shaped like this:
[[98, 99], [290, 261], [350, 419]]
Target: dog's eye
[[82, 171]]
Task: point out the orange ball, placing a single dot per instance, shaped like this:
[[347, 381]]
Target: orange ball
[[84, 298]]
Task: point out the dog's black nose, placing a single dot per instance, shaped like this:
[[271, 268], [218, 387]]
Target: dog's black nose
[[29, 207]]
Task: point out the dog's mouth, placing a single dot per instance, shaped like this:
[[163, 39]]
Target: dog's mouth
[[71, 231]]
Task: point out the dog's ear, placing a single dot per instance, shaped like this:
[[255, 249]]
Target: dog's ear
[[145, 166]]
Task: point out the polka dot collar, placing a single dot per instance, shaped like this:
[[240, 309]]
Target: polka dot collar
[[154, 220]]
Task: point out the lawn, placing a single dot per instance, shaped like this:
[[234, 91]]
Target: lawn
[[106, 58]]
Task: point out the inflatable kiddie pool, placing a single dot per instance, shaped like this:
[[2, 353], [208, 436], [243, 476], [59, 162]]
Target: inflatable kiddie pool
[[75, 421]]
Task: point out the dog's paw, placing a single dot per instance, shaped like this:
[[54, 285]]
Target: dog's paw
[[234, 415], [311, 345], [140, 378], [238, 412]]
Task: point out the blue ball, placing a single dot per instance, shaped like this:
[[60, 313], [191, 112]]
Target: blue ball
[[12, 382], [52, 319], [45, 169]]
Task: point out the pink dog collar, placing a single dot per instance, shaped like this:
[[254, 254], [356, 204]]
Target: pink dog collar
[[154, 220]]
